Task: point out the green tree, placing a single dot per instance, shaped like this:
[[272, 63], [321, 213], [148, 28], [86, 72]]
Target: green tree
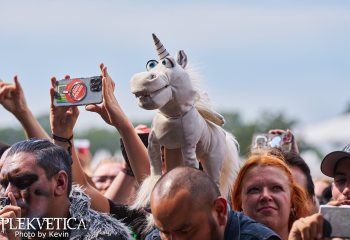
[[269, 120], [244, 131], [347, 108], [241, 130], [11, 135], [234, 123], [44, 121], [101, 138]]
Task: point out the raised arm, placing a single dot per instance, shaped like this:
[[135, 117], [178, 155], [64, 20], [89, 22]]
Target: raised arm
[[13, 100], [112, 114], [62, 120]]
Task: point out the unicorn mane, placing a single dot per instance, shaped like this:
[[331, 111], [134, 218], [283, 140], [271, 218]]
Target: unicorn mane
[[202, 100]]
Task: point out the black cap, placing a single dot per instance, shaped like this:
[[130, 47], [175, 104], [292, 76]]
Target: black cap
[[330, 161]]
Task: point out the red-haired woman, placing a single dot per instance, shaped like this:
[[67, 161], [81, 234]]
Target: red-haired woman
[[266, 191]]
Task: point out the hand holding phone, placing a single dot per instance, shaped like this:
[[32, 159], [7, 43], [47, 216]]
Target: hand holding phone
[[4, 201], [336, 221], [289, 135], [78, 91], [269, 140], [310, 227]]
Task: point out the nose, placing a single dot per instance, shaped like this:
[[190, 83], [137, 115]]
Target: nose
[[15, 191], [144, 77], [151, 77], [146, 81], [106, 184], [265, 195], [346, 191]]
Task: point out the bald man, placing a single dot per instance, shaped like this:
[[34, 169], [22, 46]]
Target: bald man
[[186, 204]]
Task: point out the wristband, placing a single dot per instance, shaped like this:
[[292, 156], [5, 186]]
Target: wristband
[[128, 172], [67, 140]]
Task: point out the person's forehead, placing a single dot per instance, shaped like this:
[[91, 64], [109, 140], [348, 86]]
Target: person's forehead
[[342, 167], [19, 162], [108, 169], [264, 174]]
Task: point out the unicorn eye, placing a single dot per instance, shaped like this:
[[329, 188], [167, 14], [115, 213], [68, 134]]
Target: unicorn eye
[[151, 64], [167, 63]]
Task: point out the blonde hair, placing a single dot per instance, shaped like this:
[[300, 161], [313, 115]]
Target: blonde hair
[[107, 161]]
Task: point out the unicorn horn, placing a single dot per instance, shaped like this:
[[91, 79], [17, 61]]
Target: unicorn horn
[[162, 52]]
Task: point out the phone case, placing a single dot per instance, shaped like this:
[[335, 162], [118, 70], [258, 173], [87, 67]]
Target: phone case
[[336, 221], [267, 140], [78, 91], [4, 201]]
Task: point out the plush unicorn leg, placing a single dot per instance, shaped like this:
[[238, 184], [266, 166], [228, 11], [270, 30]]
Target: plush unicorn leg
[[224, 169], [215, 150], [189, 156]]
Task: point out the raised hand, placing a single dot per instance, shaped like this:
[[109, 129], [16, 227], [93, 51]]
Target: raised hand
[[310, 227], [62, 119], [112, 113], [13, 100], [12, 97], [109, 109], [12, 213]]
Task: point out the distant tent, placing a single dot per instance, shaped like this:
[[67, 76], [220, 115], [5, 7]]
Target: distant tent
[[327, 136], [332, 134]]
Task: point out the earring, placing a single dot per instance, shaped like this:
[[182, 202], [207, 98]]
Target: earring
[[292, 211]]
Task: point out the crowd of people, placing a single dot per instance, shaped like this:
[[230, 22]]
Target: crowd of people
[[43, 177]]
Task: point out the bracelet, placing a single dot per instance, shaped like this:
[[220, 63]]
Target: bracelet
[[128, 172], [67, 140]]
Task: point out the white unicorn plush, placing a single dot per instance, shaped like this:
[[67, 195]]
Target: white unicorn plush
[[184, 121]]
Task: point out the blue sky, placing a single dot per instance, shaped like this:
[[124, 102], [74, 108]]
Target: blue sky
[[289, 56]]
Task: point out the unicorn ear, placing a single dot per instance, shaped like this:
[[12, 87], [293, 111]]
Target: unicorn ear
[[181, 58]]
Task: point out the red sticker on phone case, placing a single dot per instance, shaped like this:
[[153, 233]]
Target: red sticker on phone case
[[76, 91]]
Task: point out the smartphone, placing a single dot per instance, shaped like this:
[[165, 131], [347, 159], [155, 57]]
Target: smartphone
[[78, 91], [336, 221], [4, 201], [268, 140]]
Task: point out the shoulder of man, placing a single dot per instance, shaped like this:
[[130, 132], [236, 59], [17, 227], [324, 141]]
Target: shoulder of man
[[95, 225], [244, 228], [134, 219], [111, 237], [102, 227], [106, 226]]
